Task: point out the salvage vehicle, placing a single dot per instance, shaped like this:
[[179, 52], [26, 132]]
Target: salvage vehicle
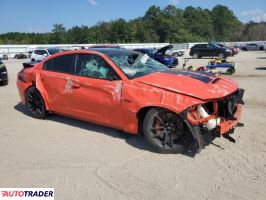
[[3, 74], [160, 55], [253, 47], [134, 93], [209, 50], [39, 54]]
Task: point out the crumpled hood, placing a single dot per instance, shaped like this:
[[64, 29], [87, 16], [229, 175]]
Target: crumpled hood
[[191, 83]]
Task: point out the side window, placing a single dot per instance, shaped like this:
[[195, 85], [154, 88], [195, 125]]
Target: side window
[[63, 64], [93, 66]]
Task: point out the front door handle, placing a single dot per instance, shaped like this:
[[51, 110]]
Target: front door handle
[[76, 85]]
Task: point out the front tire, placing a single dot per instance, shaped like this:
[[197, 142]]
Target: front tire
[[35, 103], [195, 55], [165, 131], [221, 55]]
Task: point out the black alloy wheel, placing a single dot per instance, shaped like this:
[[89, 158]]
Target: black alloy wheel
[[165, 131], [35, 103]]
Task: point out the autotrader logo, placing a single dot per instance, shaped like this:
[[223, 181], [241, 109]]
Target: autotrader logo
[[26, 193]]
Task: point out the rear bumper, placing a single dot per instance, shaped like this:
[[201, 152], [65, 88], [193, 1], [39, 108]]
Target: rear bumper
[[21, 89]]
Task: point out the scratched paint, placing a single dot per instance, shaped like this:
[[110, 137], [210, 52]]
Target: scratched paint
[[68, 86]]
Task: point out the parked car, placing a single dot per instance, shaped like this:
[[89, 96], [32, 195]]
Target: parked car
[[209, 50], [3, 74], [234, 50], [132, 92], [175, 52], [39, 54], [4, 57], [253, 47], [161, 56], [20, 56]]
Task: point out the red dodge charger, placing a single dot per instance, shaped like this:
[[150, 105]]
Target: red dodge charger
[[132, 92]]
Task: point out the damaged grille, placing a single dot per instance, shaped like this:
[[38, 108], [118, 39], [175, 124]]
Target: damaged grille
[[228, 106]]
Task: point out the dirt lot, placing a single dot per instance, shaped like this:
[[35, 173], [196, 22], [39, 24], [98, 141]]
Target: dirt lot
[[85, 161]]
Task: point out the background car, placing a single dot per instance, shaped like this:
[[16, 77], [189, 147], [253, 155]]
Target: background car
[[3, 74], [175, 52], [160, 55], [209, 50], [39, 54], [20, 56], [5, 57], [253, 47], [234, 50], [132, 92]]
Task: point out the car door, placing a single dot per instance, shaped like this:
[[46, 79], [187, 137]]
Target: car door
[[212, 50], [204, 50], [56, 78], [97, 91]]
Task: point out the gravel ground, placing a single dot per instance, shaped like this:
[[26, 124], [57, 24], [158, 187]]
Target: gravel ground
[[86, 161]]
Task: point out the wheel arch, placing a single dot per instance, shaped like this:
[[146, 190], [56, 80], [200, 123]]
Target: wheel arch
[[38, 89], [143, 111]]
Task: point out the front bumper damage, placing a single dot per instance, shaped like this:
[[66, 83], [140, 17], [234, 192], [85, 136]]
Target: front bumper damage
[[225, 113]]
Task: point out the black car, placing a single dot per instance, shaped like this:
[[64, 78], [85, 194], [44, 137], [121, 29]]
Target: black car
[[20, 56], [209, 50], [3, 74], [5, 57]]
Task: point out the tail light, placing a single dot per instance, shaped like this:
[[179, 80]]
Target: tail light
[[21, 76]]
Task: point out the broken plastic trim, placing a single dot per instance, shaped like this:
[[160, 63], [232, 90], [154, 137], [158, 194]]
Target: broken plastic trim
[[195, 131]]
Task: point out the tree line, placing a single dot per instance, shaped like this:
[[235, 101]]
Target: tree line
[[170, 24]]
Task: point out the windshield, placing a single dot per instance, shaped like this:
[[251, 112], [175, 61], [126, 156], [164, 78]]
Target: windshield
[[134, 64], [53, 51]]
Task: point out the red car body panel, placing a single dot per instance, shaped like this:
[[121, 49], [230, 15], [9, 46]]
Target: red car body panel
[[117, 103]]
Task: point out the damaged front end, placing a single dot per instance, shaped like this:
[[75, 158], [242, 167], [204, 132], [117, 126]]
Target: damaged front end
[[218, 117]]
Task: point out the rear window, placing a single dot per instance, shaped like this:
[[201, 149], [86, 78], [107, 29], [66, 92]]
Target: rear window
[[63, 64]]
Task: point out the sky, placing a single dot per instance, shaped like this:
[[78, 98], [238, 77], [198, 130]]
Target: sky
[[40, 15]]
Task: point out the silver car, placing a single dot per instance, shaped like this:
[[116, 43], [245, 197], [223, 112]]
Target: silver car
[[253, 47]]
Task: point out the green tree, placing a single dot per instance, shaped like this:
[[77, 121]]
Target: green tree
[[58, 34], [225, 23]]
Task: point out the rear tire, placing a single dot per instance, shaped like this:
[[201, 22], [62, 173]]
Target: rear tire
[[195, 55], [221, 55], [35, 103], [5, 82], [230, 71], [165, 131], [190, 68]]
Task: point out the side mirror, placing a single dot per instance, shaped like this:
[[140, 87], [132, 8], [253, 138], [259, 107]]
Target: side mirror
[[45, 55]]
